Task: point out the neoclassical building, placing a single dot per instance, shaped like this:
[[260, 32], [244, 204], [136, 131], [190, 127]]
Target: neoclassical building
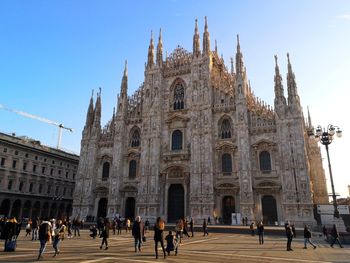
[[35, 180], [195, 141]]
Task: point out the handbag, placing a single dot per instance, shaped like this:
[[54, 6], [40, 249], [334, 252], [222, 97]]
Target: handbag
[[144, 239]]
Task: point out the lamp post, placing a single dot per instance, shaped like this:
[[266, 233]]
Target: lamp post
[[325, 137]]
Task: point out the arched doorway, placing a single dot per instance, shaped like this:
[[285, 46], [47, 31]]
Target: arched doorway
[[130, 208], [16, 208], [36, 210], [61, 213], [26, 209], [68, 210], [269, 210], [102, 208], [53, 211], [5, 207], [45, 211], [228, 207], [176, 202]]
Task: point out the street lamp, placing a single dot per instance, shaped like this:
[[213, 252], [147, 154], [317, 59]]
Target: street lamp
[[325, 137]]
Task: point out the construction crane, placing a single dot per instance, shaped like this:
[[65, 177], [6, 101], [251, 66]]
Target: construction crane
[[59, 125]]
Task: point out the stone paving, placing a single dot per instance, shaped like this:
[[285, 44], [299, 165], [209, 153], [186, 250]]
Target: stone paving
[[217, 247]]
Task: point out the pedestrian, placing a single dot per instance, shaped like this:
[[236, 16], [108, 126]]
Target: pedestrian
[[59, 231], [93, 231], [260, 230], [185, 224], [35, 228], [307, 237], [246, 221], [69, 228], [146, 225], [179, 228], [158, 236], [45, 230], [9, 234], [294, 231], [105, 234], [324, 230], [127, 225], [243, 223], [76, 226], [192, 226], [29, 227], [119, 225], [289, 234], [205, 227], [252, 229], [335, 236], [171, 243], [209, 222], [114, 226], [138, 232]]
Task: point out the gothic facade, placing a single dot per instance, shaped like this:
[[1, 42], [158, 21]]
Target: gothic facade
[[195, 141]]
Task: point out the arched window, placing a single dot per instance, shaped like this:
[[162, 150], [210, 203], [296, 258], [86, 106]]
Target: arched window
[[226, 162], [265, 161], [179, 95], [132, 169], [135, 139], [105, 171], [176, 140], [225, 129]]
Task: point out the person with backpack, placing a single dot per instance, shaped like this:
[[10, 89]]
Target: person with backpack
[[45, 230]]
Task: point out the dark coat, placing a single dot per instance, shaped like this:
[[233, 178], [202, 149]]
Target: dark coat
[[138, 230], [307, 233], [334, 232], [105, 231], [9, 230], [158, 233]]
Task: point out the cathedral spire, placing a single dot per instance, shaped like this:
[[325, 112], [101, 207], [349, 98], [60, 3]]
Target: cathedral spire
[[90, 113], [150, 59], [239, 59], [232, 67], [206, 39], [293, 97], [196, 42], [279, 91], [97, 117], [216, 47], [309, 118], [160, 49], [124, 85]]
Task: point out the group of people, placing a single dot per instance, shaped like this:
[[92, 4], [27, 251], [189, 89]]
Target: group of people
[[52, 231]]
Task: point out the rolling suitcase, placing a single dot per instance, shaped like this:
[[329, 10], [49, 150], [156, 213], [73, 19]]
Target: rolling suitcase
[[11, 245]]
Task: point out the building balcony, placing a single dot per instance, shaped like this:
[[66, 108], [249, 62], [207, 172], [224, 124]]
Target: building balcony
[[177, 155]]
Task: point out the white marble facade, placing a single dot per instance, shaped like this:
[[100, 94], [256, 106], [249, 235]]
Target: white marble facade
[[194, 141]]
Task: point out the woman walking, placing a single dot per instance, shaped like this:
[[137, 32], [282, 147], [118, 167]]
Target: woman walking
[[105, 234], [59, 236], [158, 236]]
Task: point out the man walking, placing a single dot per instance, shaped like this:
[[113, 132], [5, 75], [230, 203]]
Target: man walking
[[45, 230]]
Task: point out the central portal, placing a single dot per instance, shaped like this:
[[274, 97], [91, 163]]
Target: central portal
[[176, 202]]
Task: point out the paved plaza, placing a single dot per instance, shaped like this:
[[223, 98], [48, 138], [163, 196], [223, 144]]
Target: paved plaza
[[217, 247]]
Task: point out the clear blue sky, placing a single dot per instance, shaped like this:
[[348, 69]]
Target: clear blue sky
[[53, 53]]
